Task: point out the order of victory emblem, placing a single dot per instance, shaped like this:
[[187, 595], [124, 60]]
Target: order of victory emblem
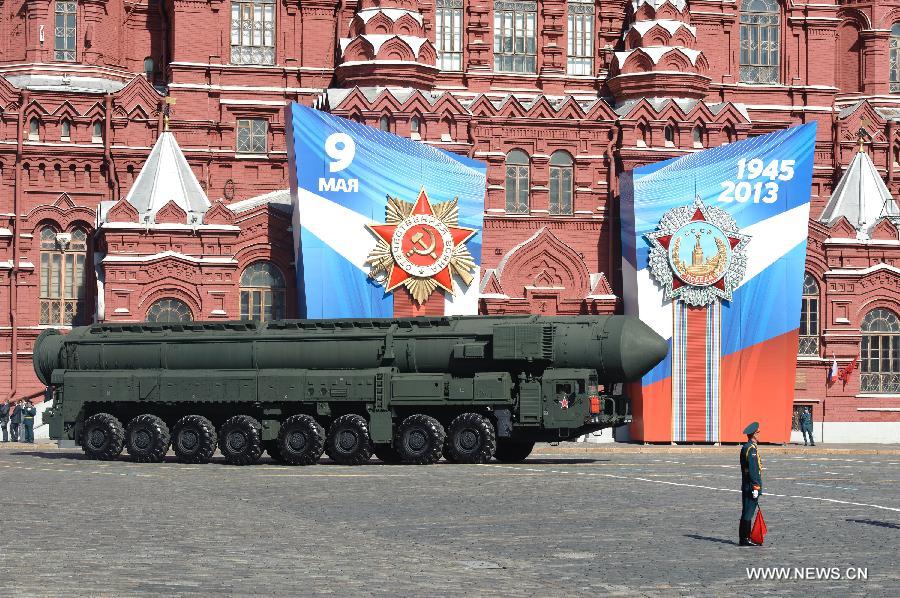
[[697, 254], [421, 246]]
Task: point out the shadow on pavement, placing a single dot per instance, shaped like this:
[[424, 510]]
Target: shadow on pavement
[[876, 523], [711, 539]]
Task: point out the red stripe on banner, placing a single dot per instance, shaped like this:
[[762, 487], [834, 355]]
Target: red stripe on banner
[[695, 375], [758, 385], [651, 411]]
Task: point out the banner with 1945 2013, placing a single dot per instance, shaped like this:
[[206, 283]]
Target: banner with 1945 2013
[[713, 258]]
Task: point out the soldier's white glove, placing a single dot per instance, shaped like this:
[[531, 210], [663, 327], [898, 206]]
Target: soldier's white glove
[[755, 493]]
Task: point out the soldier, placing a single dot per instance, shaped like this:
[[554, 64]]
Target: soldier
[[15, 421], [806, 426], [751, 483], [28, 414], [4, 419]]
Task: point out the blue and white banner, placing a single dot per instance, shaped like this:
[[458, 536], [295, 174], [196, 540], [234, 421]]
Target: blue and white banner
[[713, 258], [375, 213]]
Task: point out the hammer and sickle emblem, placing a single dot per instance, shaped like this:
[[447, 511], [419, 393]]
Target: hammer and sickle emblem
[[425, 249]]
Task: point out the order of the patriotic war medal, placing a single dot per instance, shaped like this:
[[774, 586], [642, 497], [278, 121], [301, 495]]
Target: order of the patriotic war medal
[[697, 254], [421, 246]]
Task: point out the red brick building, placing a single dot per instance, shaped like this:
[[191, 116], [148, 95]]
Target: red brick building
[[558, 97]]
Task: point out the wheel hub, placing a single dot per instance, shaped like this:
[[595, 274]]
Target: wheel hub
[[416, 440], [188, 440], [347, 440], [96, 438], [297, 441], [237, 441], [468, 440], [142, 439]]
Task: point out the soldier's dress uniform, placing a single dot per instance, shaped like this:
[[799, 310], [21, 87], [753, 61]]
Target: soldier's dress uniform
[[806, 426], [28, 414], [751, 479]]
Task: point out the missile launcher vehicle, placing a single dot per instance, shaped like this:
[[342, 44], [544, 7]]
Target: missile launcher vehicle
[[408, 390]]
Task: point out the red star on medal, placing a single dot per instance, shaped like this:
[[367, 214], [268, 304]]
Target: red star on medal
[[424, 246], [666, 239]]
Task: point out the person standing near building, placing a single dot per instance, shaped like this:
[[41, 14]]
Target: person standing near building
[[806, 426], [28, 414], [751, 483], [15, 421], [4, 419]]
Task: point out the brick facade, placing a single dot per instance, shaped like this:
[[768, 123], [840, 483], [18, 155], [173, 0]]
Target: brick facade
[[656, 79]]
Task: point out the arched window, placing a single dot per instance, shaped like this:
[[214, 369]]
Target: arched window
[[697, 136], [760, 41], [384, 123], [561, 175], [149, 68], [34, 129], [97, 132], [262, 292], [895, 58], [415, 126], [65, 133], [809, 317], [517, 182], [62, 294], [669, 134], [880, 367], [169, 310]]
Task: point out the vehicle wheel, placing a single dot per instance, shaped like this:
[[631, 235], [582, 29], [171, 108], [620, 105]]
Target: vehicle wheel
[[301, 440], [471, 439], [239, 440], [272, 449], [510, 451], [387, 454], [420, 440], [348, 440], [147, 439], [194, 439], [103, 437]]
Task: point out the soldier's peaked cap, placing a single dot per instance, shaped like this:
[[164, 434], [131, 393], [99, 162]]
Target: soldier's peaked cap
[[751, 428]]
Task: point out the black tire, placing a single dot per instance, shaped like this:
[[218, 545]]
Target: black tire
[[386, 453], [348, 441], [103, 437], [471, 439], [509, 451], [194, 439], [272, 449], [420, 440], [301, 440], [147, 439], [239, 440]]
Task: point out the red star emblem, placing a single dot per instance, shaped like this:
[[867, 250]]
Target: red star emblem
[[667, 239], [421, 245], [564, 403]]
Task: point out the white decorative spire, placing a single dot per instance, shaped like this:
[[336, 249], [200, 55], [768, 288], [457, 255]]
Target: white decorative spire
[[861, 197], [165, 177]]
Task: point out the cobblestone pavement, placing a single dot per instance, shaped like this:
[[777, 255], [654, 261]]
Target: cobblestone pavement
[[608, 524]]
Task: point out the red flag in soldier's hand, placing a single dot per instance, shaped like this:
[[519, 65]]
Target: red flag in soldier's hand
[[758, 533]]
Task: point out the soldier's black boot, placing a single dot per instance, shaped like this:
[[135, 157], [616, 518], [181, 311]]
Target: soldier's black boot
[[744, 533]]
